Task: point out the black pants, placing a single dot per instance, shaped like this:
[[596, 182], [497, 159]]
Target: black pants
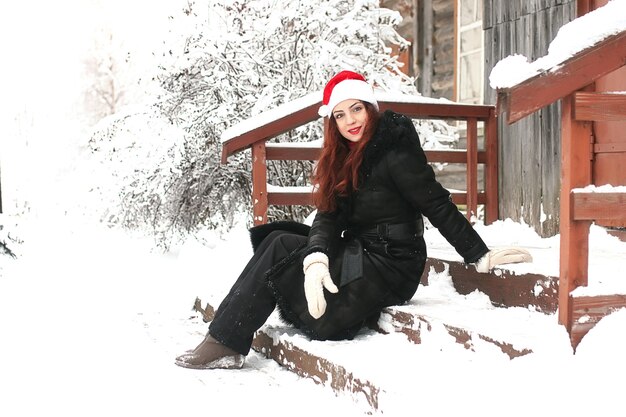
[[250, 302]]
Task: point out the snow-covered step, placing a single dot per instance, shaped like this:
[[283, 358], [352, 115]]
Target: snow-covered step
[[452, 310], [369, 368], [414, 324], [515, 331], [437, 318], [331, 364], [504, 287], [588, 310]]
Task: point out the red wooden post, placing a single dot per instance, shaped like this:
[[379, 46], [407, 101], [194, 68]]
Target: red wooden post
[[259, 183], [472, 167], [491, 167], [575, 173], [585, 6]]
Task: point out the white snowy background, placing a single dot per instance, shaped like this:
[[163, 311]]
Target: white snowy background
[[91, 317]]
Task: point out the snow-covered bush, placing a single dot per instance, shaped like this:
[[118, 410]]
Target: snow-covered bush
[[242, 58], [251, 56], [9, 239]]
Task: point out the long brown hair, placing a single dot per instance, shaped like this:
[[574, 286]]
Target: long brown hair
[[336, 171]]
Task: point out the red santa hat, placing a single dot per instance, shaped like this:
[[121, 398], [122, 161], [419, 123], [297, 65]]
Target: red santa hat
[[344, 86]]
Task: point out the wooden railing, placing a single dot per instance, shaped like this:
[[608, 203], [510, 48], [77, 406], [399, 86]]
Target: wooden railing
[[593, 152], [280, 121], [581, 205]]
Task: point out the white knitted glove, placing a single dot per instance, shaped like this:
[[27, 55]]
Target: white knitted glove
[[316, 278], [502, 256]]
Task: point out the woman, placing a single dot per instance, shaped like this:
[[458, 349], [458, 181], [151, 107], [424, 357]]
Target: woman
[[365, 249]]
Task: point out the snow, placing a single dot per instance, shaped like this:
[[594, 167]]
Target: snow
[[605, 188], [573, 37], [91, 318], [606, 254], [271, 115]]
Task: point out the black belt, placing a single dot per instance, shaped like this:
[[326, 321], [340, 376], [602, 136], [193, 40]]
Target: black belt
[[352, 264], [387, 231]]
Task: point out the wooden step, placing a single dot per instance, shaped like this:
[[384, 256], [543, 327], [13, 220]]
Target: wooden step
[[310, 359], [515, 331], [413, 324], [588, 310], [341, 367], [503, 287], [618, 232]]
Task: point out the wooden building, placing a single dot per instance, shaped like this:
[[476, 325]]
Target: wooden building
[[590, 87], [530, 152], [455, 45], [447, 59], [447, 51]]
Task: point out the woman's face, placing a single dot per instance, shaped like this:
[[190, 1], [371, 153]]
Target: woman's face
[[351, 117]]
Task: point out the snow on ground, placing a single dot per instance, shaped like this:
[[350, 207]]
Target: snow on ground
[[91, 319]]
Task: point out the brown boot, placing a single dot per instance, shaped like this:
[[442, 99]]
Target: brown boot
[[211, 354]]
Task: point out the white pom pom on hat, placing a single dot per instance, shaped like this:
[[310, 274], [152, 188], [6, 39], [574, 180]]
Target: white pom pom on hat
[[345, 85]]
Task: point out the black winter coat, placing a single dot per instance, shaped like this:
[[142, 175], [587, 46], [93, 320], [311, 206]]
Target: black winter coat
[[374, 239]]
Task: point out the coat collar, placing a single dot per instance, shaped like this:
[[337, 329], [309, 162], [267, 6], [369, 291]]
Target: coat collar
[[393, 130]]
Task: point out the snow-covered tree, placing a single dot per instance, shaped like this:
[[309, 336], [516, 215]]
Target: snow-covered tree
[[106, 76], [9, 239], [243, 58]]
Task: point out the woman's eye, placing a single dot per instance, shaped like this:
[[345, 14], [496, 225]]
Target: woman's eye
[[338, 116], [357, 109]]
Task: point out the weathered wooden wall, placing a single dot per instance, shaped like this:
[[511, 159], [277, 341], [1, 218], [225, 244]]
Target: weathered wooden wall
[[444, 49], [430, 26], [530, 151]]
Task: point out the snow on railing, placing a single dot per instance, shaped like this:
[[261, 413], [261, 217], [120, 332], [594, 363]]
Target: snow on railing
[[607, 188]]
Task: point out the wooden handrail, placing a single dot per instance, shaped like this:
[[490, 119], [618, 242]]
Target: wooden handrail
[[291, 115], [255, 138], [553, 84]]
